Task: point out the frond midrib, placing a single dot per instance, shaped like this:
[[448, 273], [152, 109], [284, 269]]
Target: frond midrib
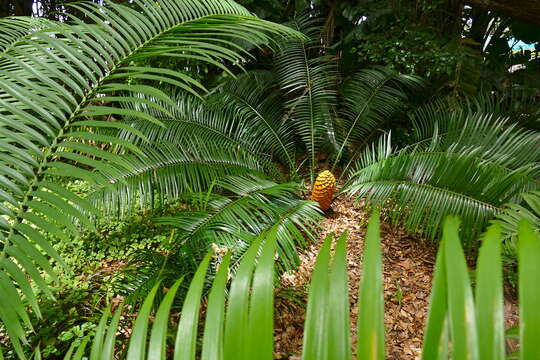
[[495, 208], [458, 155], [260, 116]]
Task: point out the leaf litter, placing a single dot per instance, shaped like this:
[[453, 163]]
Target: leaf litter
[[408, 264]]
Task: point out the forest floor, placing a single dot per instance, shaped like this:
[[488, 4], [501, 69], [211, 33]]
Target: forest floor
[[408, 264]]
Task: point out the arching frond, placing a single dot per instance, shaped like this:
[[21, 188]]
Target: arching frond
[[199, 142], [16, 29], [521, 105], [253, 97], [471, 171], [48, 87], [257, 205], [510, 217], [167, 170], [310, 80], [226, 223], [189, 117], [227, 118], [491, 138], [370, 98]]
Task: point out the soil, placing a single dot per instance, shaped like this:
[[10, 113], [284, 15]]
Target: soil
[[408, 264]]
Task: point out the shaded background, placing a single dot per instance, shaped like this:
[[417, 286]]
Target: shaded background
[[461, 47]]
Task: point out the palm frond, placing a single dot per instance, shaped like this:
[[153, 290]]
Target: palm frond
[[16, 29], [190, 117], [166, 171], [253, 97], [370, 98], [224, 222], [470, 170], [198, 142], [519, 104], [513, 213], [493, 139], [48, 88], [310, 80], [257, 205]]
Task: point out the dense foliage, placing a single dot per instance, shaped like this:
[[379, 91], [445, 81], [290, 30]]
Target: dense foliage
[[145, 142], [459, 324]]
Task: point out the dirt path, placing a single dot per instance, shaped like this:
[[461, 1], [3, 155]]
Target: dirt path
[[408, 266]]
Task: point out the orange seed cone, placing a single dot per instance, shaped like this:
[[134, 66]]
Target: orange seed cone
[[323, 189]]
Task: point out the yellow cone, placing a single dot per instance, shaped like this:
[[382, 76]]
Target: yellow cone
[[323, 189]]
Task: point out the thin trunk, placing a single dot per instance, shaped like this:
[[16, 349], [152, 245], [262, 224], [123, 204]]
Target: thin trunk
[[5, 8], [23, 7]]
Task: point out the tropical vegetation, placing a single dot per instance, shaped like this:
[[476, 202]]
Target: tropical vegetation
[[164, 151]]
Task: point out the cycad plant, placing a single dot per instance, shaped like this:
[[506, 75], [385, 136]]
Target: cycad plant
[[464, 158], [60, 83], [333, 115], [82, 101], [459, 325], [462, 162], [278, 123]]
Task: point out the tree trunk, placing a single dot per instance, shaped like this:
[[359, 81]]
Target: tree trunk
[[23, 7], [525, 10], [5, 8]]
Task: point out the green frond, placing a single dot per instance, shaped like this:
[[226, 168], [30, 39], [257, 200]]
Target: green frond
[[226, 222], [371, 98], [252, 124], [254, 99], [15, 29], [492, 138], [256, 206], [513, 213], [309, 79], [188, 117], [49, 115], [166, 171], [470, 170]]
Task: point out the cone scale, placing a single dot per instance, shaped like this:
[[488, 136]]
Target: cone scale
[[323, 189]]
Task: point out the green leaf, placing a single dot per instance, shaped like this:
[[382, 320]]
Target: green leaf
[[109, 342], [215, 314], [460, 299], [370, 341], [158, 337], [137, 341], [186, 337], [339, 332], [435, 336], [529, 291], [237, 319], [489, 297], [259, 339], [97, 344], [315, 345]]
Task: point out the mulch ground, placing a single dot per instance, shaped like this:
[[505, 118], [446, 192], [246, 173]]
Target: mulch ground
[[408, 264]]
